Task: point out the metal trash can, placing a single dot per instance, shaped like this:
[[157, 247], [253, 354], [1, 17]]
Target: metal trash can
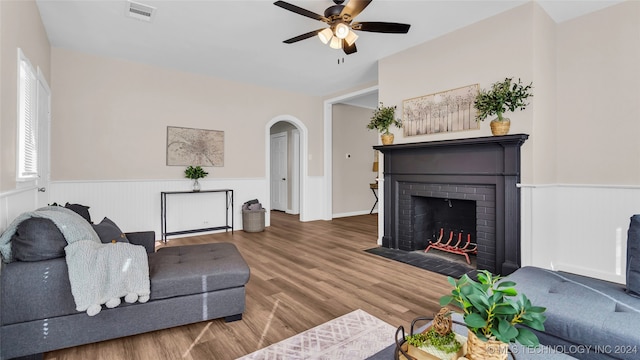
[[253, 220]]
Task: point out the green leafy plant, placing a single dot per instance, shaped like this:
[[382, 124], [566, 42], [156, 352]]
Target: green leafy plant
[[446, 343], [383, 118], [195, 172], [501, 97], [492, 309]]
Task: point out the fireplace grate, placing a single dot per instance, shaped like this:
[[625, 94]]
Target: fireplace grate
[[458, 248]]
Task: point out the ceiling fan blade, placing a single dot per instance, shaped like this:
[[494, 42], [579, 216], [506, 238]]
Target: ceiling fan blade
[[381, 27], [303, 36], [354, 7], [300, 11], [348, 49]]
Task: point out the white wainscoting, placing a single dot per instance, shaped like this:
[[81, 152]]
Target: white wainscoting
[[580, 229], [14, 203], [314, 202], [135, 205]]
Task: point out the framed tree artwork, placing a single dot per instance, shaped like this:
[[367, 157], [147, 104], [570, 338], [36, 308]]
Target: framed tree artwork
[[446, 111]]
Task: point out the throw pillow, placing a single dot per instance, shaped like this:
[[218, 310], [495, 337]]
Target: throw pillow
[[37, 239], [633, 257], [80, 210], [109, 232]]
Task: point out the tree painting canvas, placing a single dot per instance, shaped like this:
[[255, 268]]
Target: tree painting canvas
[[446, 111], [196, 147]]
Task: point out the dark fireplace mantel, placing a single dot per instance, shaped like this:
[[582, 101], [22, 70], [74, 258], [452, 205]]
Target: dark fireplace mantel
[[472, 168]]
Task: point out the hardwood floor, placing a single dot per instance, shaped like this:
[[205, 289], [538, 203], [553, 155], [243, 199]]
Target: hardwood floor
[[302, 275]]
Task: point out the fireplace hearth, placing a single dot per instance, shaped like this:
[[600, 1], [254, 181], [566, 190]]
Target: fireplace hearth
[[464, 185]]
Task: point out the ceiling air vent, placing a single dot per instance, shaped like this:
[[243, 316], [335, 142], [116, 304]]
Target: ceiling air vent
[[140, 11]]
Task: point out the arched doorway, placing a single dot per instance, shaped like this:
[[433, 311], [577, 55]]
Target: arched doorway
[[290, 137]]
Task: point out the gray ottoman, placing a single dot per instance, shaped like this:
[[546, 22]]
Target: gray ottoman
[[200, 269]]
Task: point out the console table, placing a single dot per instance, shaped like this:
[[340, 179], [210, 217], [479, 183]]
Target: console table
[[163, 212]]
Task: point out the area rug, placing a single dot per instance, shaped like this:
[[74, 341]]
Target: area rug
[[356, 335]]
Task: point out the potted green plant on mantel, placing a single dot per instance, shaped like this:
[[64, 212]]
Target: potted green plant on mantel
[[195, 173], [491, 310], [503, 96], [383, 118]]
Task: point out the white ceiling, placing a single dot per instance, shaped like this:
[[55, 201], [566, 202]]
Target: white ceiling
[[242, 40]]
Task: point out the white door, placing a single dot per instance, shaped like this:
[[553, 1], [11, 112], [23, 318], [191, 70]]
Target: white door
[[295, 172], [44, 125], [279, 171]]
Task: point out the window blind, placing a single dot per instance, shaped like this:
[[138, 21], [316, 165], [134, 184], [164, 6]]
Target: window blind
[[27, 120]]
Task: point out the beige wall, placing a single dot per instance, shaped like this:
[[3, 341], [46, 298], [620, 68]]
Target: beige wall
[[110, 119], [482, 53], [20, 27], [539, 157], [583, 118], [599, 97], [352, 176]]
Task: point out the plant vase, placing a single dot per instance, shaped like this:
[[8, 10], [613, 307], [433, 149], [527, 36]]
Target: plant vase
[[485, 350], [196, 185], [387, 139], [500, 127]]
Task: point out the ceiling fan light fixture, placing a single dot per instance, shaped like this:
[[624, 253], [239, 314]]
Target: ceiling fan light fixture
[[325, 35], [342, 31], [351, 38], [336, 43]]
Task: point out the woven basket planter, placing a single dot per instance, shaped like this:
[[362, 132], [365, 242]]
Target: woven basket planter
[[253, 220], [387, 139], [500, 127], [485, 350]]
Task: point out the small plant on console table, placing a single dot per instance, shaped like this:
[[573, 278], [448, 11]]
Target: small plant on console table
[[503, 96], [493, 312], [195, 173]]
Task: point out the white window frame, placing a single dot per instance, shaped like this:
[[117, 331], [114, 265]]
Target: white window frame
[[27, 137]]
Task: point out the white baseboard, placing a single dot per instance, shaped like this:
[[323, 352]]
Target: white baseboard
[[353, 213]]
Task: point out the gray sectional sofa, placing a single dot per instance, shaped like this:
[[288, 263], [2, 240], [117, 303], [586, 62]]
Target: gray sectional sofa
[[589, 318], [586, 318], [188, 284]]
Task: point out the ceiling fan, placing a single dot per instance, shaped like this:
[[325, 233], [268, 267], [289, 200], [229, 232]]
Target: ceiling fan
[[339, 34]]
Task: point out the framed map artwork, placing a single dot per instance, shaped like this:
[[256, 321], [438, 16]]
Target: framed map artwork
[[446, 111], [196, 147]]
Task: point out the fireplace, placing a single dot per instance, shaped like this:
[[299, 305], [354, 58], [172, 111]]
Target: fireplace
[[442, 219], [464, 185]]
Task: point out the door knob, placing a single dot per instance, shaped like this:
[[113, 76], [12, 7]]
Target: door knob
[[42, 189], [283, 179]]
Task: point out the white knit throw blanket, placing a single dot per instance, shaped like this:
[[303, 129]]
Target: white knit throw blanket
[[99, 273]]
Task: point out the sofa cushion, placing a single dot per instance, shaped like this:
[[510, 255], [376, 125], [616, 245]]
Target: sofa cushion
[[80, 210], [633, 257], [109, 232], [582, 310], [194, 269], [37, 239]]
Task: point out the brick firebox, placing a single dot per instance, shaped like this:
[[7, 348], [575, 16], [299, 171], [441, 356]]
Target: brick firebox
[[484, 169]]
